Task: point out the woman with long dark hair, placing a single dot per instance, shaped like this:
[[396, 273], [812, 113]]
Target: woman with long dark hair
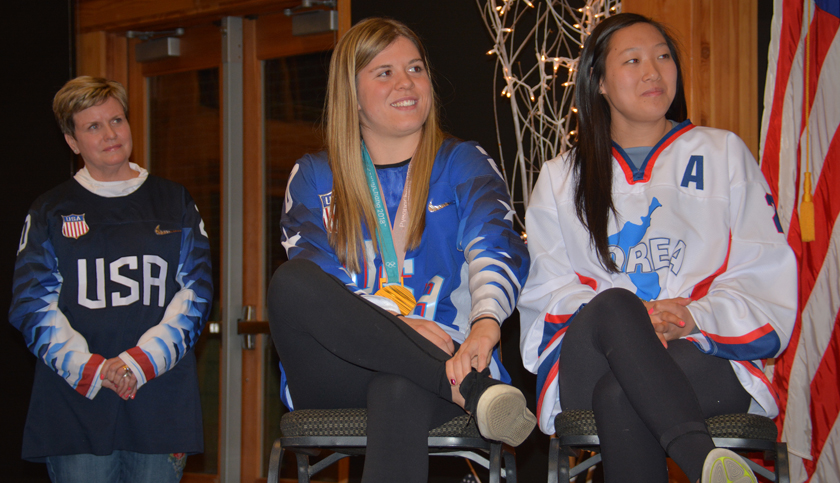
[[403, 263], [660, 275]]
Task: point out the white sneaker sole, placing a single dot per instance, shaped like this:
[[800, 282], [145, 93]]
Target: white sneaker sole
[[503, 416], [725, 466]]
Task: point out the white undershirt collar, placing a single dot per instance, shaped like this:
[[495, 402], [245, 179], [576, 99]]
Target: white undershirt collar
[[111, 189]]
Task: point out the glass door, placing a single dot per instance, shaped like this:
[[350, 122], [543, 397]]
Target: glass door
[[184, 147], [178, 101], [227, 118], [295, 88], [293, 78]]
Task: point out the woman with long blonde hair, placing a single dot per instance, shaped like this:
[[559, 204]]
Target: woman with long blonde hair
[[403, 263]]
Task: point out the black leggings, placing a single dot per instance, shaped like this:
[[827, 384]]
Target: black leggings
[[649, 402], [340, 351]]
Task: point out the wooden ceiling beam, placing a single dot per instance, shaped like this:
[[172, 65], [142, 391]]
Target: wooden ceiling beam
[[121, 15]]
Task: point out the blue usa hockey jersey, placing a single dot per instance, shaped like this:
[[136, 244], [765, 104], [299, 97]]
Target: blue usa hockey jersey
[[98, 278], [470, 261]]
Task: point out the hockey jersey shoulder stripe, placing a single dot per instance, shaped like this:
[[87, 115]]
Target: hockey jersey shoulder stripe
[[701, 289]]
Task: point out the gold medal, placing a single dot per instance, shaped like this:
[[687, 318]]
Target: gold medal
[[401, 296]]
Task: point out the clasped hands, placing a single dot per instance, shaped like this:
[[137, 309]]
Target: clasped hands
[[671, 318], [117, 377], [475, 352]]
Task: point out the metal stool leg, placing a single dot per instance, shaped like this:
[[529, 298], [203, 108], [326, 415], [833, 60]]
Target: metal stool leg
[[510, 464], [302, 467], [782, 464], [274, 461], [554, 462], [495, 462]]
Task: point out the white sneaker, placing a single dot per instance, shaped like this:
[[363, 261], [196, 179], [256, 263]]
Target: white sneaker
[[725, 466], [503, 416]]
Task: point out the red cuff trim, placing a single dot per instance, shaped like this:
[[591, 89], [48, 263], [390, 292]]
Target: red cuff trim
[[741, 339], [88, 373], [143, 361]]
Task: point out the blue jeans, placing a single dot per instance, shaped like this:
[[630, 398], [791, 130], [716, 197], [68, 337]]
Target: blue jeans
[[118, 467]]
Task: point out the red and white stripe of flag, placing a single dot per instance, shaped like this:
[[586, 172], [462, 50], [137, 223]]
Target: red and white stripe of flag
[[808, 372]]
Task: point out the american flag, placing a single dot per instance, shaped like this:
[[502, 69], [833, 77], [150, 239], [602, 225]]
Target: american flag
[[799, 133]]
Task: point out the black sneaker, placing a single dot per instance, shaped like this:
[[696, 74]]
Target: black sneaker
[[498, 409]]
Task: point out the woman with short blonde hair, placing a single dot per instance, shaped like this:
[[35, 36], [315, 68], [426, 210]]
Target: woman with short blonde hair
[[112, 287], [82, 93]]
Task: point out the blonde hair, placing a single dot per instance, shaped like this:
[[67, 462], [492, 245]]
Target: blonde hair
[[351, 201], [82, 93]]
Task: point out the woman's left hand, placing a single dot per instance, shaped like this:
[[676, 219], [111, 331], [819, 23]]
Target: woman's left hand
[[476, 351], [671, 318]]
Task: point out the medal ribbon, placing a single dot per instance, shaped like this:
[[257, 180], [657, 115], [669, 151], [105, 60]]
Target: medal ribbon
[[391, 244]]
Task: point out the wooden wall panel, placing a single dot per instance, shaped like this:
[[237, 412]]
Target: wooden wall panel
[[92, 54], [274, 38], [138, 107], [253, 241], [719, 43]]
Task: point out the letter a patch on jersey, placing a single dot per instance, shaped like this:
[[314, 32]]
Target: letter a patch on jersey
[[74, 226], [693, 173]]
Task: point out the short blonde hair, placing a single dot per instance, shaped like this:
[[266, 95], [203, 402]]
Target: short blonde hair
[[84, 92], [352, 205]]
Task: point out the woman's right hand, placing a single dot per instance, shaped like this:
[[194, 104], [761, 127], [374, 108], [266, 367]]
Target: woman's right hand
[[432, 332]]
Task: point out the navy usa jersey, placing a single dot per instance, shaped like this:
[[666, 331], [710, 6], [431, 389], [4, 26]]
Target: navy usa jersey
[[98, 278]]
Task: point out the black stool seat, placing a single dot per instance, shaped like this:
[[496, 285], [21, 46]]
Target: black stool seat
[[576, 430], [343, 431]]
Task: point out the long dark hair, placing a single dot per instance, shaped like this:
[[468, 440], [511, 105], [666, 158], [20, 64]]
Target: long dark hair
[[592, 148]]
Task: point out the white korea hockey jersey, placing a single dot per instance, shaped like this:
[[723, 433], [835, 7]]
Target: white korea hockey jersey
[[696, 220]]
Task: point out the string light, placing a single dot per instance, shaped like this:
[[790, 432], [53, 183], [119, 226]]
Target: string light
[[540, 100]]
